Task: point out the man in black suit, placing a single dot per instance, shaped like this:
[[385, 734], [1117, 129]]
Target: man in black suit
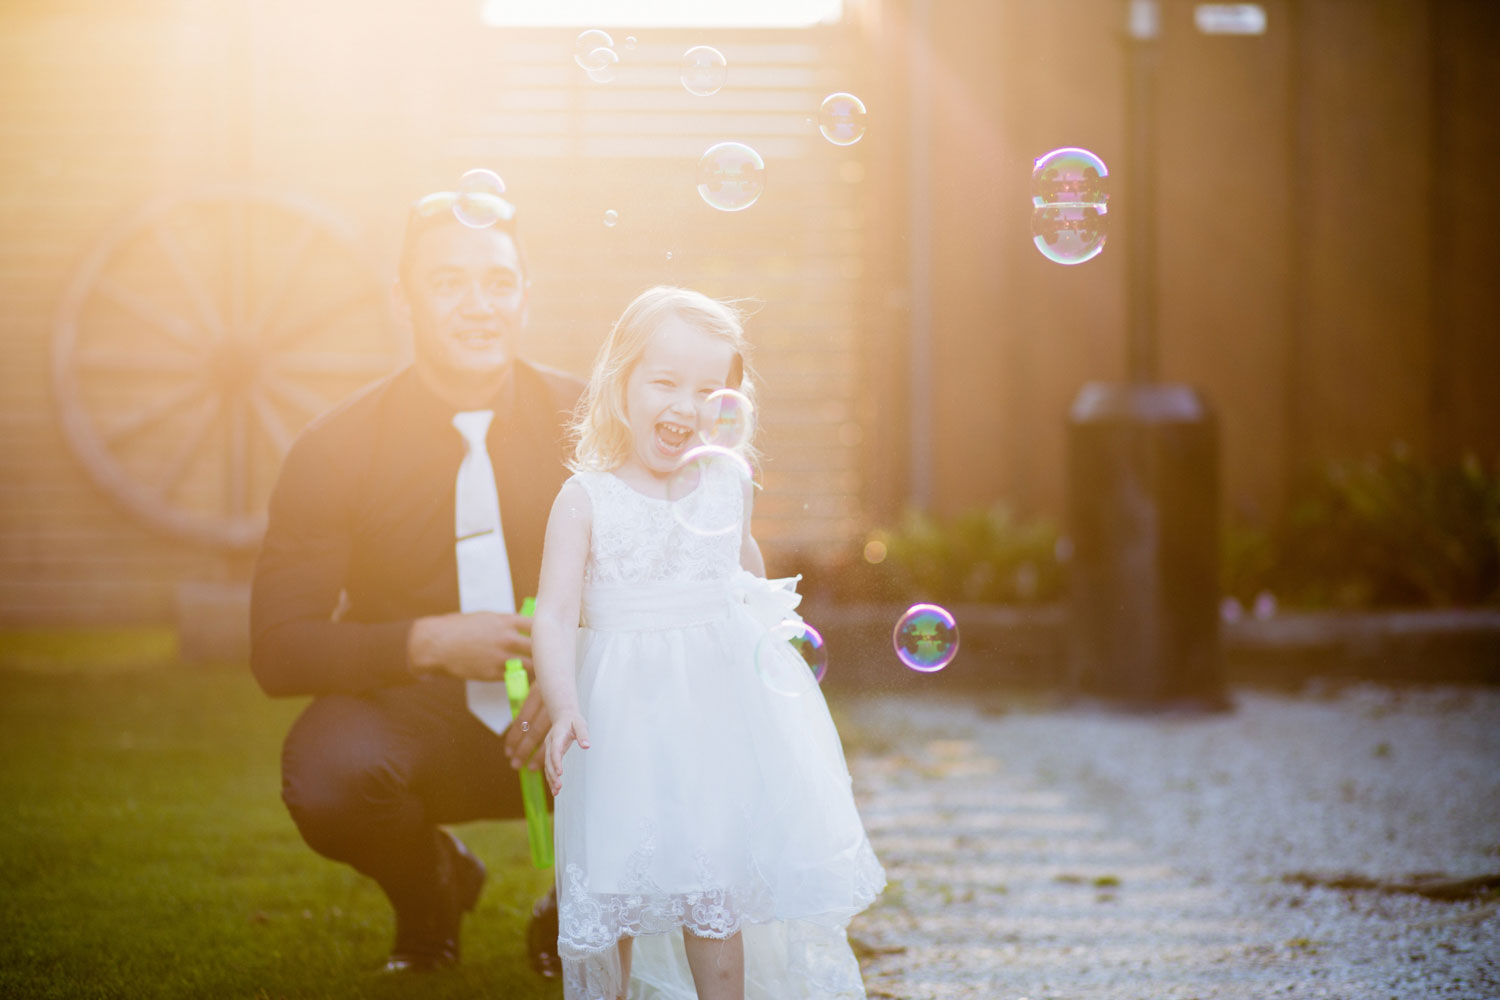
[[356, 594]]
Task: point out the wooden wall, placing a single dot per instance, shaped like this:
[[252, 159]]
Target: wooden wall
[[1325, 256], [1326, 227]]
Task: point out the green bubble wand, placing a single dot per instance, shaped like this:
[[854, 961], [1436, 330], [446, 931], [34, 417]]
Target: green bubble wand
[[533, 794]]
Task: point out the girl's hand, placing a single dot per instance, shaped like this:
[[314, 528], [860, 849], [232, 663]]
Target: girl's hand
[[566, 728]]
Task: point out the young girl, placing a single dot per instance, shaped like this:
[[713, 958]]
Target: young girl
[[707, 839]]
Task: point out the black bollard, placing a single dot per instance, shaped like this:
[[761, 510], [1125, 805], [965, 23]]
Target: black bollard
[[1143, 516]]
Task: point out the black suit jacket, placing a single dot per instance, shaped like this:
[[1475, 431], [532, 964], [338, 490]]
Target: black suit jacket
[[364, 506]]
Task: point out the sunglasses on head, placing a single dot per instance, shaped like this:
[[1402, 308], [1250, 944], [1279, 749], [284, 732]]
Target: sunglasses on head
[[478, 209]]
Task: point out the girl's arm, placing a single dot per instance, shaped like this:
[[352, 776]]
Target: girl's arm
[[554, 630], [750, 557]]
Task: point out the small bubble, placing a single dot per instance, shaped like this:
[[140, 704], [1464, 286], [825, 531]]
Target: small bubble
[[669, 255], [704, 70], [842, 119], [588, 45], [875, 551], [926, 638], [479, 204], [728, 419], [1070, 234], [608, 59], [630, 43], [791, 658], [611, 217], [731, 176]]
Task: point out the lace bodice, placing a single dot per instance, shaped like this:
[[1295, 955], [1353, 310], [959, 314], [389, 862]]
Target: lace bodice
[[641, 539]]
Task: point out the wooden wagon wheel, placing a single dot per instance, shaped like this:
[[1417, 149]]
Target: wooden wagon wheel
[[198, 338]]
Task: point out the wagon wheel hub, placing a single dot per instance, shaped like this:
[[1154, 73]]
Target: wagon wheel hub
[[234, 365]]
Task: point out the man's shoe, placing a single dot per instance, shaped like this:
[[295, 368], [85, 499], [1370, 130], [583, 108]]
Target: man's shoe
[[541, 936], [430, 941]]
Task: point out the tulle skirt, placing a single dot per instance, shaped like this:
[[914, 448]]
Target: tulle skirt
[[714, 799]]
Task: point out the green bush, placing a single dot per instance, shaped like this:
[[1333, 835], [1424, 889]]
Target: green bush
[[1385, 531], [981, 555]]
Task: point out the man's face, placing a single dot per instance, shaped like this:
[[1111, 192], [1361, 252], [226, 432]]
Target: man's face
[[466, 299]]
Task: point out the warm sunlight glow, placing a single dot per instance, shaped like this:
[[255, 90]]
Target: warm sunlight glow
[[662, 13]]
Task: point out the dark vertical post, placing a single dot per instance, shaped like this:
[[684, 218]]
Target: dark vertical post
[[1144, 28], [1143, 478]]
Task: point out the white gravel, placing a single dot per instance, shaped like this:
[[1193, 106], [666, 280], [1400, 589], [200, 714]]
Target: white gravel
[[1006, 828]]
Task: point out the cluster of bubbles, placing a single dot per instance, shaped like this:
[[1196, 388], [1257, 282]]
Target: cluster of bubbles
[[1070, 205], [594, 52], [731, 175]]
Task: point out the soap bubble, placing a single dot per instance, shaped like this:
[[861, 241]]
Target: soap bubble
[[731, 176], [1070, 233], [479, 204], [1069, 176], [699, 487], [607, 60], [926, 638], [728, 419], [842, 119], [669, 255], [630, 43], [589, 45], [611, 217], [704, 70], [1070, 196], [791, 658]]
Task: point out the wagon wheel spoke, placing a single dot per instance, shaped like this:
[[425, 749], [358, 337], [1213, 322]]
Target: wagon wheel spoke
[[321, 317], [270, 421], [106, 359], [236, 256], [326, 363], [188, 449], [153, 412], [282, 283], [179, 329], [191, 283], [293, 393], [238, 458]]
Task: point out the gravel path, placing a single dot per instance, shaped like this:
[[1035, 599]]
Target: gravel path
[[1046, 853]]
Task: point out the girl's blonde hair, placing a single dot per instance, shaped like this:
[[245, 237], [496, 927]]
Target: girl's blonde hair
[[600, 426]]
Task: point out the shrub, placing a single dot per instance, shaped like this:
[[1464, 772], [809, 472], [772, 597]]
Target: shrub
[[1385, 531], [978, 555]]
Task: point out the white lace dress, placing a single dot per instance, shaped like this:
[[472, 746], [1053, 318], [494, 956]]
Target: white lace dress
[[709, 799]]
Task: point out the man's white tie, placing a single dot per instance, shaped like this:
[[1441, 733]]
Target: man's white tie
[[483, 566]]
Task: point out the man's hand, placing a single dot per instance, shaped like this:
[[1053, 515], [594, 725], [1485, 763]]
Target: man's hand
[[473, 646], [527, 731]]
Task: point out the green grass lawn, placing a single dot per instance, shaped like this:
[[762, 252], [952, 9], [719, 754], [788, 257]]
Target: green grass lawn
[[144, 852]]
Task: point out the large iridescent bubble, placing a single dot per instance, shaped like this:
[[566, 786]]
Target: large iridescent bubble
[[1070, 205], [701, 510]]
